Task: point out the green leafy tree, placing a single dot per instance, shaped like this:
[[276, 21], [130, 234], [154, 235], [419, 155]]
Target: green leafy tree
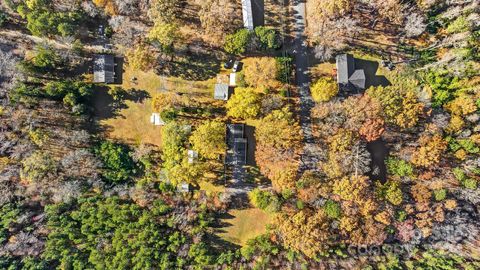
[[237, 42], [118, 164], [268, 37], [166, 35], [209, 139]]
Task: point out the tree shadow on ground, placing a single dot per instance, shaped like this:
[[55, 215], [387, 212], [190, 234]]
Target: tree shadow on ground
[[105, 105], [196, 68]]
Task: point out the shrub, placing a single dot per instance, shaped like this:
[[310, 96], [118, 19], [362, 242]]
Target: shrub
[[440, 194], [459, 25], [332, 209]]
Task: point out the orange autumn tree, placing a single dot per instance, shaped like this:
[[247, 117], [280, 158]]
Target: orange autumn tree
[[108, 5], [372, 129]]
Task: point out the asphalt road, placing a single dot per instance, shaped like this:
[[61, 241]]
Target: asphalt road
[[309, 159]]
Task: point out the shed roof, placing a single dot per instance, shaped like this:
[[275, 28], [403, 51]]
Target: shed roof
[[221, 91], [104, 68], [247, 13]]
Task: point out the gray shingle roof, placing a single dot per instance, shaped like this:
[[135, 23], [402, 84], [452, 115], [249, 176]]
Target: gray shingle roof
[[347, 75], [104, 68], [247, 14]]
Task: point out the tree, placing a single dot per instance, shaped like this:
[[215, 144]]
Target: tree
[[268, 37], [324, 89], [209, 139], [165, 34], [140, 57], [218, 17], [38, 166], [371, 130], [237, 42], [430, 151], [415, 25], [244, 103], [163, 10], [108, 5], [258, 73], [277, 138], [118, 163], [305, 232]]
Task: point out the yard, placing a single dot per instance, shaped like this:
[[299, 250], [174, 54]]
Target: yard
[[244, 224], [131, 122]]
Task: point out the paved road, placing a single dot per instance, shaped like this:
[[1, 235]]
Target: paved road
[[309, 159]]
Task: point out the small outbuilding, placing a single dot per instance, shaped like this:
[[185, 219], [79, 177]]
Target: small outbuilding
[[156, 119], [233, 79], [221, 91], [104, 68], [183, 187], [348, 77]]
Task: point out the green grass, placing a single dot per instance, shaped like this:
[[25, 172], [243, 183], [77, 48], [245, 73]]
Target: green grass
[[246, 224]]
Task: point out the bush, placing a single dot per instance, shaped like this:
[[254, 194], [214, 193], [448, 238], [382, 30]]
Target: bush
[[332, 209], [440, 194], [237, 43]]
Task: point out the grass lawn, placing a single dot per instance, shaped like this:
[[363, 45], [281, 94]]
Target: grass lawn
[[132, 123], [245, 224]]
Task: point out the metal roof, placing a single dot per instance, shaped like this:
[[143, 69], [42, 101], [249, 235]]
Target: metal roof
[[247, 14], [345, 67], [104, 68], [221, 91]]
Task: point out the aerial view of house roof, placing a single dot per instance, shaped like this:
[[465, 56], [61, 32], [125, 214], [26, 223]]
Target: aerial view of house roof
[[104, 68]]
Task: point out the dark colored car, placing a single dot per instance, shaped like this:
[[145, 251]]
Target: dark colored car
[[229, 64]]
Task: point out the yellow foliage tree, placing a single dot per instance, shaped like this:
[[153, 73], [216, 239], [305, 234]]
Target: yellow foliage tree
[[140, 58], [430, 151], [324, 89], [108, 5]]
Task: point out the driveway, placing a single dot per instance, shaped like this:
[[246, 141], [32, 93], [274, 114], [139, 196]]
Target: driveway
[[309, 159]]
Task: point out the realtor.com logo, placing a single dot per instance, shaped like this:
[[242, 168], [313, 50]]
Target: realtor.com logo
[[452, 233]]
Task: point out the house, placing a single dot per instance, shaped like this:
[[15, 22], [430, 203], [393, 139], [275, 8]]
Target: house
[[156, 119], [253, 13], [236, 144], [192, 156], [221, 91], [348, 77], [104, 68]]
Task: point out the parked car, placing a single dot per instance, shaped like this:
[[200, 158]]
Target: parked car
[[236, 66], [228, 64]]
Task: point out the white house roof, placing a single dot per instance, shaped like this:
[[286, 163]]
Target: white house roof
[[104, 68]]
